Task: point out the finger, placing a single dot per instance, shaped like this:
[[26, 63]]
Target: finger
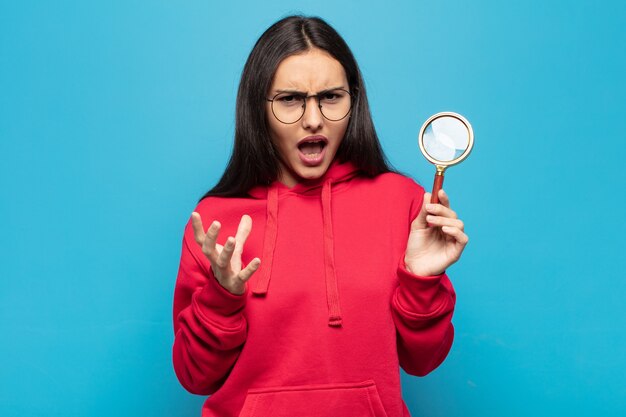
[[223, 260], [457, 234], [245, 226], [198, 228], [208, 247], [441, 210], [247, 272], [444, 221], [443, 198], [420, 220]]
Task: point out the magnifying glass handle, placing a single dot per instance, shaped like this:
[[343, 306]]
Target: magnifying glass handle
[[434, 198]]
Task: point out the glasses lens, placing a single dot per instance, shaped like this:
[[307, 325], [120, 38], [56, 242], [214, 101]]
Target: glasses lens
[[335, 104], [288, 107]]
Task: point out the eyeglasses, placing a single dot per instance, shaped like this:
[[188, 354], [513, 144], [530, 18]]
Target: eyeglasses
[[289, 107]]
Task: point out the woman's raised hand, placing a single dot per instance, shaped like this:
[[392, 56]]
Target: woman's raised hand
[[226, 260], [436, 239]]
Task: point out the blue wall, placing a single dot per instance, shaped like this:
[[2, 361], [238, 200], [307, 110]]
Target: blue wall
[[116, 116]]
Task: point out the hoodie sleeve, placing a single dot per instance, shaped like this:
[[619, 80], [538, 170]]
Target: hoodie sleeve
[[422, 309], [209, 324]]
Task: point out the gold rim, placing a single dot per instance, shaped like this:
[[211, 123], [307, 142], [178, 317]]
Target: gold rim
[[444, 164]]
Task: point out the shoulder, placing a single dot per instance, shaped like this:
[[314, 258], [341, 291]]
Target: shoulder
[[211, 205], [396, 184], [390, 186], [403, 191], [227, 207]]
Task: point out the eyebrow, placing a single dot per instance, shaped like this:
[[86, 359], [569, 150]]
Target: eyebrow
[[303, 93]]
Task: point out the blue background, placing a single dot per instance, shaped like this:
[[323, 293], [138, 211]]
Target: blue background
[[116, 116]]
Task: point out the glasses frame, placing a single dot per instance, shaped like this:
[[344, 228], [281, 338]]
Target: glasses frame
[[319, 105]]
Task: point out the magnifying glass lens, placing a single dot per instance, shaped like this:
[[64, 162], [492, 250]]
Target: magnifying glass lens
[[445, 139]]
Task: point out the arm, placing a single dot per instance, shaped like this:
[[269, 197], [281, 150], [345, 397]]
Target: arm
[[209, 324], [423, 303], [422, 310]]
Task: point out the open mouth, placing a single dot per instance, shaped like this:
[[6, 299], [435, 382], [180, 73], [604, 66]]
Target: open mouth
[[312, 148]]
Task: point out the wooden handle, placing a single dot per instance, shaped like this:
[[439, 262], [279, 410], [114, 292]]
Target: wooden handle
[[434, 198]]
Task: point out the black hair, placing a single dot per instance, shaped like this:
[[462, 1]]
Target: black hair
[[255, 160]]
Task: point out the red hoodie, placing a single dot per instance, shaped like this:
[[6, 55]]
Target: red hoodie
[[329, 316]]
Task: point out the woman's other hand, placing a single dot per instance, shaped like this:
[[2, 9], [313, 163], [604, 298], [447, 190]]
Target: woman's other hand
[[226, 260], [436, 239]]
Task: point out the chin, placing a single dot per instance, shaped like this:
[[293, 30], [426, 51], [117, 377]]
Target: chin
[[313, 173], [299, 172]]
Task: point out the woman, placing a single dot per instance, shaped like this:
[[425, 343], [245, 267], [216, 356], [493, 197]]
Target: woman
[[321, 271]]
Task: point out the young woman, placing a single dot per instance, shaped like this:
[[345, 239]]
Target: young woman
[[311, 271]]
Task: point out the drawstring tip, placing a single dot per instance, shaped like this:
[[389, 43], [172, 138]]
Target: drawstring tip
[[259, 290], [335, 322], [261, 287]]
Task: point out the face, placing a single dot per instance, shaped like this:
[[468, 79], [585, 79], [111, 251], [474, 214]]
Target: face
[[308, 146]]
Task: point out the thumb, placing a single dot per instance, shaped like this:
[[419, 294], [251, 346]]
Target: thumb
[[420, 221]]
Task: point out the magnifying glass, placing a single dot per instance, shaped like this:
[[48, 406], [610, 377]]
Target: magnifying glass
[[445, 139]]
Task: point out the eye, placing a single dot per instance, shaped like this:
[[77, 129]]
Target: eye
[[332, 96], [289, 99]]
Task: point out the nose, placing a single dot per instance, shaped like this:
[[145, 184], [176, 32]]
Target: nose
[[312, 118]]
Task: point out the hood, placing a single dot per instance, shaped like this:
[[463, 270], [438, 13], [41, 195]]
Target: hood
[[336, 173]]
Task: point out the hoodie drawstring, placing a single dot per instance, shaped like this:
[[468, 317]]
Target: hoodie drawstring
[[271, 230], [269, 244], [332, 292]]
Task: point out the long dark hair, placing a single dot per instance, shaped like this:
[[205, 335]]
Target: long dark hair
[[255, 160]]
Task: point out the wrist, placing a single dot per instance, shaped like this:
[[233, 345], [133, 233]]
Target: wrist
[[237, 290], [416, 268]]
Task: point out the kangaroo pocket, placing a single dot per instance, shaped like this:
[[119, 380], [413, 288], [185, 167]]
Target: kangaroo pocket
[[353, 399]]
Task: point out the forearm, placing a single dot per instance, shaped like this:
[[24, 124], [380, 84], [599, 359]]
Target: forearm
[[210, 334], [209, 324], [422, 309]]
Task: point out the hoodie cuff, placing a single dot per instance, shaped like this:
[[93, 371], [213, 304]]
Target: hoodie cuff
[[214, 300], [418, 294]]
